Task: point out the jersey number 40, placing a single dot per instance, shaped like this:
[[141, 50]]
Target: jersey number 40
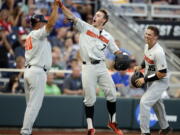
[[28, 43]]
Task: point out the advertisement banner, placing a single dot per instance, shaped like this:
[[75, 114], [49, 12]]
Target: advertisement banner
[[169, 30], [173, 115]]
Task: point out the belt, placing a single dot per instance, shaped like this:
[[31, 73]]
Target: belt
[[92, 62], [29, 66]]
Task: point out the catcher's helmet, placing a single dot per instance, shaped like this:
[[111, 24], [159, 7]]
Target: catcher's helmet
[[37, 18], [122, 62], [136, 76]]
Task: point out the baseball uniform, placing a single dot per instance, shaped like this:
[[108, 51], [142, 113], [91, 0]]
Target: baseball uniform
[[155, 61], [92, 43], [38, 61]]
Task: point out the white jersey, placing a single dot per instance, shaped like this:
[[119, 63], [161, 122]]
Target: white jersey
[[38, 49], [93, 42], [155, 59]]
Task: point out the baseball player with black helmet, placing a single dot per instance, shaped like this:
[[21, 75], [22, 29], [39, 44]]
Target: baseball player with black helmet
[[93, 41], [156, 80], [38, 61]]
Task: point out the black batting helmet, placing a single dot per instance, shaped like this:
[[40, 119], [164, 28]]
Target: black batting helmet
[[37, 18], [136, 76], [122, 62]]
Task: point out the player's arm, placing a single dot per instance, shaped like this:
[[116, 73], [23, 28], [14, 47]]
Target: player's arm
[[140, 67], [117, 52], [6, 43], [150, 78], [69, 15], [53, 17], [73, 92]]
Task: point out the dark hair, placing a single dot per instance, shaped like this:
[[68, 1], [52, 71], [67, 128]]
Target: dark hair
[[106, 15], [154, 29]]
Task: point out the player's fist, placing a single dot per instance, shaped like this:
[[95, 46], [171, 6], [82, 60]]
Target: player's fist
[[139, 82], [137, 68]]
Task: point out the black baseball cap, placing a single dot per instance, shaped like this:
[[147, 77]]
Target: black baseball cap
[[37, 18]]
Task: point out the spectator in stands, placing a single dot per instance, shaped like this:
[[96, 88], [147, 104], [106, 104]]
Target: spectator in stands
[[160, 2], [4, 21], [8, 4], [56, 65], [84, 9], [20, 62], [120, 1], [16, 15], [5, 49], [20, 51], [13, 86], [68, 51], [32, 9], [58, 52], [177, 94], [51, 87], [69, 34], [73, 63], [76, 41], [73, 82], [133, 63], [123, 85], [121, 81], [60, 22], [89, 18], [110, 57], [139, 1], [134, 92], [58, 40]]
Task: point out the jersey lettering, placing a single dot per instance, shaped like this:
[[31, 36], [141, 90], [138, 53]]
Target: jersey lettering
[[103, 47], [94, 35], [148, 60], [151, 68], [28, 43], [102, 38]]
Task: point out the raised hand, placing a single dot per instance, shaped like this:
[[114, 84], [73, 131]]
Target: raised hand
[[59, 3]]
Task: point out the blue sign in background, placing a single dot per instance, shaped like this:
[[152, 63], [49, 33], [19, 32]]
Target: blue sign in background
[[153, 118]]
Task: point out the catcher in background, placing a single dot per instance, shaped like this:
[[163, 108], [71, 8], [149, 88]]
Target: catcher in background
[[156, 80]]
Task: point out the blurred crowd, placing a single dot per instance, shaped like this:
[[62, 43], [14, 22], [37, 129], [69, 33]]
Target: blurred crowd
[[14, 28], [160, 2]]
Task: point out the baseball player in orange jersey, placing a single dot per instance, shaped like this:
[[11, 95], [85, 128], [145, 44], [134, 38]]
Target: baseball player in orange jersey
[[156, 80], [38, 62], [93, 40]]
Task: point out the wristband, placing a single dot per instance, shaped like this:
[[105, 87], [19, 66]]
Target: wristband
[[151, 78]]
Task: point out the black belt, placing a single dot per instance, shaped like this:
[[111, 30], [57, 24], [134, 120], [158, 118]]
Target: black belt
[[29, 66], [92, 62]]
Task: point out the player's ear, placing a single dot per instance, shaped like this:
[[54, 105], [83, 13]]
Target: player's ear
[[104, 21]]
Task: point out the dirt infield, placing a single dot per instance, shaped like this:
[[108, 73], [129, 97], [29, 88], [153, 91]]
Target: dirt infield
[[11, 131]]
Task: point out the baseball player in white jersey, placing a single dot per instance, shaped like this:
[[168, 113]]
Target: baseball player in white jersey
[[93, 40], [156, 80], [38, 62]]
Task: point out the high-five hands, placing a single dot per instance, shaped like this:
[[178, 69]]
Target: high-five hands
[[59, 3]]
